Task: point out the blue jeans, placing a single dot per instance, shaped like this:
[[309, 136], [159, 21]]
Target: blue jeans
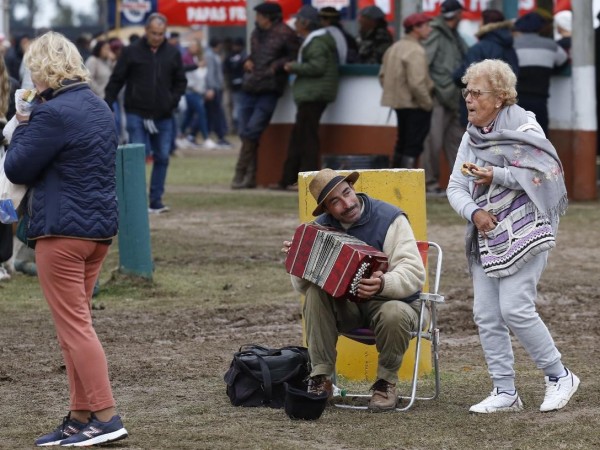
[[159, 145], [236, 100], [195, 114], [256, 111]]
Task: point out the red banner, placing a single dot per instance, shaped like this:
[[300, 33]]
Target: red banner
[[204, 12], [473, 8]]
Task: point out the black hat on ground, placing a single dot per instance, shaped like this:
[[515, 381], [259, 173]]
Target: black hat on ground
[[299, 404], [268, 8]]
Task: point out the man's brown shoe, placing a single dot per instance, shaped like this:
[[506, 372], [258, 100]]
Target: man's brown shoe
[[384, 396], [319, 384]]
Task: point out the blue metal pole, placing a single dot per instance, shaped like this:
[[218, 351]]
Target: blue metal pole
[[135, 254], [510, 8]]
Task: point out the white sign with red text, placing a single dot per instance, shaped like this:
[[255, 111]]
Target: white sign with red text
[[204, 12]]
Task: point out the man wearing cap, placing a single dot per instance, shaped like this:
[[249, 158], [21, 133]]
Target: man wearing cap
[[344, 41], [389, 307], [373, 36], [408, 89], [272, 44], [315, 84], [538, 57], [445, 52]]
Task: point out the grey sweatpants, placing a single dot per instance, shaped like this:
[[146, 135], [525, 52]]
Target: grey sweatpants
[[507, 304], [391, 320]]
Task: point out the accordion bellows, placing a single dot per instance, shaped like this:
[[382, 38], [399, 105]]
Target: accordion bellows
[[333, 260]]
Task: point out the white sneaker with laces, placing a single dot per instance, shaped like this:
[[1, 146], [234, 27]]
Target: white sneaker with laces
[[209, 144], [498, 402], [559, 391]]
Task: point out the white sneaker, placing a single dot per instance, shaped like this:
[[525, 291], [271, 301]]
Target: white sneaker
[[182, 143], [4, 275], [209, 144], [559, 391], [498, 402]]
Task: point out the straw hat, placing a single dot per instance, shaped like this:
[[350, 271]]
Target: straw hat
[[324, 182]]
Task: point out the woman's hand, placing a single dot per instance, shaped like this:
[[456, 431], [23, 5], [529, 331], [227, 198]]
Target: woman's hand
[[22, 117], [484, 175], [484, 221]]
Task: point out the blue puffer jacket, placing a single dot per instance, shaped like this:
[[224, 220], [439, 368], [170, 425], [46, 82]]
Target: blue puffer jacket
[[66, 154]]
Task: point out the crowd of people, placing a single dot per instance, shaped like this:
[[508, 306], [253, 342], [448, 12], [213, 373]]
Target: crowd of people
[[440, 114]]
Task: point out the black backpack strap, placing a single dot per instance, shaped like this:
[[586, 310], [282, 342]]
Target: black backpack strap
[[267, 383]]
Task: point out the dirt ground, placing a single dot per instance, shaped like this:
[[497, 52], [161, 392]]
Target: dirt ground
[[219, 284]]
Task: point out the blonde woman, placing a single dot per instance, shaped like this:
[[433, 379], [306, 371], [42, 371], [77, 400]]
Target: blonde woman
[[65, 152]]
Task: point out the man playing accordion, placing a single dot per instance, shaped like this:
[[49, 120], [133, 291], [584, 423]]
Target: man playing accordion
[[388, 303]]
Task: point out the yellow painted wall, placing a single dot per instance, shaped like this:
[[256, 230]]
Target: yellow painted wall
[[405, 189]]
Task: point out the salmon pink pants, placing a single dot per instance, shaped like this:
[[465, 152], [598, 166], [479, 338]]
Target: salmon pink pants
[[67, 270]]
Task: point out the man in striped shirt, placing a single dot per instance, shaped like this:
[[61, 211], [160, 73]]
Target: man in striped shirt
[[538, 57]]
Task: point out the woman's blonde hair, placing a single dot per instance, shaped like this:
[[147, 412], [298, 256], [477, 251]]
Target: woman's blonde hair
[[500, 76], [52, 58]]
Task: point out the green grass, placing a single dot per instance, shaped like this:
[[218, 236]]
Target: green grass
[[208, 170]]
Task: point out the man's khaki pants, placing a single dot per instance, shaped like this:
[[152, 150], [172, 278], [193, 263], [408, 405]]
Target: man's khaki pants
[[391, 320]]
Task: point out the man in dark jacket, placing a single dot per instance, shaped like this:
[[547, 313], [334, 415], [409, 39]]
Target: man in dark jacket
[[495, 42], [233, 67], [272, 44], [154, 79], [373, 36], [538, 57]]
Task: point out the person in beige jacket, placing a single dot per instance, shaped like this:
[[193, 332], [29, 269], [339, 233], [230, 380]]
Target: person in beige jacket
[[407, 88]]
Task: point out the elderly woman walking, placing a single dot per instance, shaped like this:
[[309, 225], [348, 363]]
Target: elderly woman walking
[[508, 184], [65, 151]]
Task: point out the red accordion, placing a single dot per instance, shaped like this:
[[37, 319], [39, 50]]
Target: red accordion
[[333, 260]]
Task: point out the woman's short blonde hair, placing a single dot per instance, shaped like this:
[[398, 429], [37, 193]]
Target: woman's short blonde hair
[[52, 58], [499, 75]]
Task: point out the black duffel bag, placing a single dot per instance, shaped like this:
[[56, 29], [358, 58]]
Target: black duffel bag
[[257, 374]]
